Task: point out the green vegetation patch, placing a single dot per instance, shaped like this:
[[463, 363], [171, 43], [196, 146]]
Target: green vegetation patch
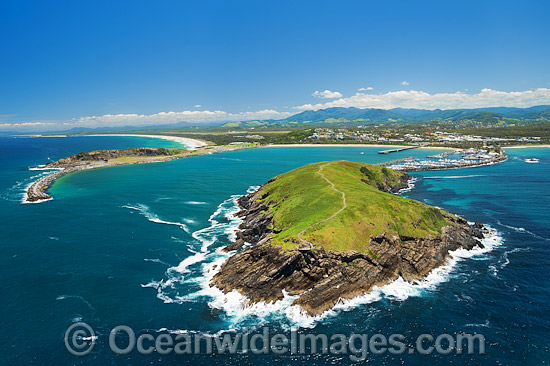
[[302, 197]]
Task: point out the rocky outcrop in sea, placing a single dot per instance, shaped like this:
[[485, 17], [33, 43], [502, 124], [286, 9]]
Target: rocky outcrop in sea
[[321, 278]]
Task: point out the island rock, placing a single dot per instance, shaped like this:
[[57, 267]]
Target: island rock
[[330, 231]]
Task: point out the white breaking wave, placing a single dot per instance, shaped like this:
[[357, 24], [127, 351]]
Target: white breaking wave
[[485, 324], [411, 184], [208, 236], [522, 230], [505, 255], [155, 260], [237, 307], [45, 168], [160, 295], [65, 297], [223, 222], [26, 195], [505, 260], [18, 191], [182, 266], [455, 176], [231, 159], [145, 211], [159, 199], [196, 203]]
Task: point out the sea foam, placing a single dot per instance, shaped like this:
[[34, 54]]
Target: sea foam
[[410, 186], [455, 176], [146, 211], [523, 231], [239, 310], [223, 223]]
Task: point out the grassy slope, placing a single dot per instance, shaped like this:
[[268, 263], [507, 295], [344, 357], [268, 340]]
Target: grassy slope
[[133, 158], [302, 197]]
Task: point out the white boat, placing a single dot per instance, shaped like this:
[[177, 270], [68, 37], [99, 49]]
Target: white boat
[[362, 153], [532, 160]]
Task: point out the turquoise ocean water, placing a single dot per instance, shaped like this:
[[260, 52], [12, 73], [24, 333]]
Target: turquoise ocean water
[[98, 252]]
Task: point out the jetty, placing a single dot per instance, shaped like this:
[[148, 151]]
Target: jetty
[[416, 165], [445, 154], [397, 161], [397, 150]]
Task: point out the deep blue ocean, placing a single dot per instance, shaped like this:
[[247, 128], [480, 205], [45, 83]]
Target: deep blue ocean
[[135, 245]]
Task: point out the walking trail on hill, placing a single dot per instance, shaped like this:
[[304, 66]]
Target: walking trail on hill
[[320, 172]]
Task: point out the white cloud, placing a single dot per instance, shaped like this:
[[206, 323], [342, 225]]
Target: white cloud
[[263, 114], [327, 94], [133, 119], [197, 106], [174, 117], [402, 98], [366, 89], [26, 124], [405, 83], [424, 100]]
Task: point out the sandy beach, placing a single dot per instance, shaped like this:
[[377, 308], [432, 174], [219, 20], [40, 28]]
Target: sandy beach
[[190, 143]]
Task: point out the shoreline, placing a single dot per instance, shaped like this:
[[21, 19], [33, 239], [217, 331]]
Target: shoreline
[[187, 142], [403, 164], [265, 273], [195, 143], [36, 191], [451, 167], [524, 146], [357, 145]]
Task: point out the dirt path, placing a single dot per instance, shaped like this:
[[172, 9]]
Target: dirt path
[[320, 172]]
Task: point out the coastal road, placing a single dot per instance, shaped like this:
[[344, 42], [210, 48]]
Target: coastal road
[[344, 205]]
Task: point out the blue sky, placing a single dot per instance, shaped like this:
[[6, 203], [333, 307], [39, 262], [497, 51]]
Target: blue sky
[[74, 63]]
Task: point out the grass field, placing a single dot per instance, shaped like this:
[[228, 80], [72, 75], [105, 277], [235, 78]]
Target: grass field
[[302, 198], [129, 156]]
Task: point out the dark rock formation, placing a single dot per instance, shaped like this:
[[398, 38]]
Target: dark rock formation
[[403, 183], [320, 278], [256, 219], [102, 158]]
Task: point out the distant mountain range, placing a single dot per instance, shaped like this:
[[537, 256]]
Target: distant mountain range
[[122, 129], [349, 116], [400, 115]]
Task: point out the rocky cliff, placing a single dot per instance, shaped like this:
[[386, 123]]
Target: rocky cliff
[[321, 277]]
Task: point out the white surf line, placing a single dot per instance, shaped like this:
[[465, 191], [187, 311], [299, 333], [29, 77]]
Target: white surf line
[[320, 172], [145, 211], [454, 176]]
